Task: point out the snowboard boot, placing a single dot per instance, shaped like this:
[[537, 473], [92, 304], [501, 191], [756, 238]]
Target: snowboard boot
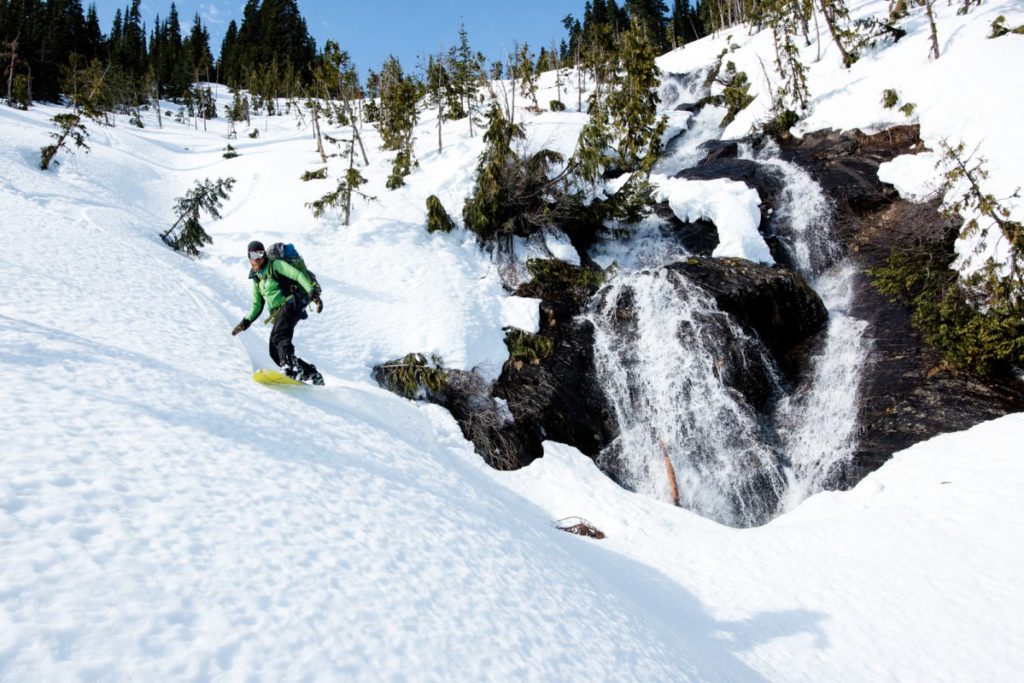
[[309, 373], [300, 370]]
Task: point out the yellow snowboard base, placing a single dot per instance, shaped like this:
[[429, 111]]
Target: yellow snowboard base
[[275, 378]]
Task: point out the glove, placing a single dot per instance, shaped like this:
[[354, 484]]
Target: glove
[[241, 327], [315, 298]]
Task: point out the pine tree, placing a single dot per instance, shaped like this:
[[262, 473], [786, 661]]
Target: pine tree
[[438, 219], [226, 64], [526, 73], [632, 103], [196, 50], [794, 92], [69, 127], [650, 16], [342, 194], [399, 94], [593, 148], [187, 233], [512, 195]]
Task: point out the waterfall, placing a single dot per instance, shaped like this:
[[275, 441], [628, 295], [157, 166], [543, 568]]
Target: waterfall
[[818, 426], [672, 365], [670, 368], [818, 423]]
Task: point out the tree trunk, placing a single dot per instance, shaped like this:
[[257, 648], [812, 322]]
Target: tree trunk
[[670, 471], [348, 195], [830, 21], [355, 130], [13, 54], [934, 32], [315, 111]]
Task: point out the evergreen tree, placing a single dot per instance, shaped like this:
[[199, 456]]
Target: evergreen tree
[[594, 145], [92, 40], [187, 233], [274, 31], [650, 17], [512, 195], [632, 103], [398, 96], [196, 51], [69, 126], [226, 62], [526, 73]]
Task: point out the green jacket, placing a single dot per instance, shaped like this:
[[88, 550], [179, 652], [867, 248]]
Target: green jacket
[[266, 289]]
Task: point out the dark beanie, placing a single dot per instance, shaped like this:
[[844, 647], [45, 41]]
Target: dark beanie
[[255, 245]]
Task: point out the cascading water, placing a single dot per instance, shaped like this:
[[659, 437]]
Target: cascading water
[[803, 215], [818, 423], [669, 360], [818, 426], [686, 150], [670, 367]]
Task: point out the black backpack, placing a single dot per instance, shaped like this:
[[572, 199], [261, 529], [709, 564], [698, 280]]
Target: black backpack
[[288, 252]]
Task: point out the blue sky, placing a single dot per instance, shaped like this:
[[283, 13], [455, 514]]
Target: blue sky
[[371, 29]]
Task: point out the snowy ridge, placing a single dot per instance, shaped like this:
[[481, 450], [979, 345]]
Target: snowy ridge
[[162, 517]]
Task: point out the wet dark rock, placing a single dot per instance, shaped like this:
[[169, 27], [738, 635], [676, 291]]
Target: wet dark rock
[[559, 397], [845, 164], [503, 443], [775, 303], [721, 149], [908, 393], [698, 237]]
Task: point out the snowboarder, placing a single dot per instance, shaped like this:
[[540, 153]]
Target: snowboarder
[[286, 290]]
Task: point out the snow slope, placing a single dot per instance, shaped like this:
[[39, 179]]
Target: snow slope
[[163, 517]]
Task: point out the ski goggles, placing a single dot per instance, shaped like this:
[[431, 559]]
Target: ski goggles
[[255, 255]]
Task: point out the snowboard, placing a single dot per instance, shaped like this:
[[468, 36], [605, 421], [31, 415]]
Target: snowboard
[[275, 378]]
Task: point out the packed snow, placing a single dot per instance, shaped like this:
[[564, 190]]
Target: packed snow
[[732, 206], [164, 517]]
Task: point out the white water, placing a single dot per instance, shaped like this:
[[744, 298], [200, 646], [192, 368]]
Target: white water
[[819, 430], [803, 214], [685, 150], [665, 380], [664, 375], [818, 423]]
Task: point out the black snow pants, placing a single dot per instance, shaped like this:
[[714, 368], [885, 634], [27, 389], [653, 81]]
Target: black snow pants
[[282, 351]]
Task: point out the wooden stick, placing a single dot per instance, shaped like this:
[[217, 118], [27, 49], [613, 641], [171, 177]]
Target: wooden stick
[[673, 487]]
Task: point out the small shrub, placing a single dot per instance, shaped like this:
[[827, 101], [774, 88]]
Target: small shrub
[[319, 174], [556, 105], [438, 219], [890, 98], [524, 347], [735, 97], [999, 28], [400, 169], [555, 271], [778, 126], [19, 93], [255, 133], [413, 377], [229, 152], [908, 109]]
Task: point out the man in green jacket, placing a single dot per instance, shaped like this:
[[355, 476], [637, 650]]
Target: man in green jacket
[[286, 290]]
